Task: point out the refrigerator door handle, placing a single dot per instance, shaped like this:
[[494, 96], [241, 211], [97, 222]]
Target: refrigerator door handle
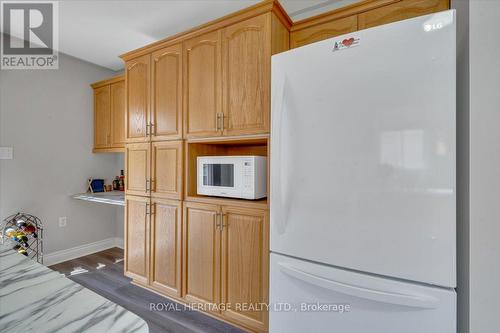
[[279, 183], [415, 301]]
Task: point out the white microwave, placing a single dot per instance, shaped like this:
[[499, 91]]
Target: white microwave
[[242, 177]]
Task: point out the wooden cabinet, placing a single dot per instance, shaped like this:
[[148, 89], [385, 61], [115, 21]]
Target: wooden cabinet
[[400, 11], [137, 238], [117, 91], [154, 96], [210, 87], [166, 169], [102, 117], [137, 169], [358, 16], [201, 253], [323, 31], [246, 68], [166, 230], [202, 85], [137, 120], [153, 243], [245, 264], [109, 115], [166, 106], [227, 80], [154, 169], [227, 246]]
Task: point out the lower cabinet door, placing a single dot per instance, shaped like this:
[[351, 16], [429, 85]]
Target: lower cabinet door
[[245, 266], [166, 249], [137, 238], [201, 254]]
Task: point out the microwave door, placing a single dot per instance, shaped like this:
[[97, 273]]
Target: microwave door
[[219, 175], [220, 178]]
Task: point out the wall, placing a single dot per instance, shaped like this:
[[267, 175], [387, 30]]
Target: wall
[[46, 115], [484, 24]]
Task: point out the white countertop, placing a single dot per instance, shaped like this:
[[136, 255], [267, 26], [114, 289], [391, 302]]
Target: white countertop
[[35, 298], [111, 198]]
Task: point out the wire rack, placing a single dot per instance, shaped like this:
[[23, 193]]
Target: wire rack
[[25, 233]]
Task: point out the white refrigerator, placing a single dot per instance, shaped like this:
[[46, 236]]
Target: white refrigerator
[[363, 195]]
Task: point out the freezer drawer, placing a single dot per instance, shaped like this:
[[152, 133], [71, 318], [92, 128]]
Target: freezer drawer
[[353, 302]]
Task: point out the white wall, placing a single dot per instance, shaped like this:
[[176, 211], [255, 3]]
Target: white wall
[[484, 23], [46, 115]]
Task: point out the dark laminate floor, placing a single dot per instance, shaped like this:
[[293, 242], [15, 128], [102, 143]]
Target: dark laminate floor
[[109, 281]]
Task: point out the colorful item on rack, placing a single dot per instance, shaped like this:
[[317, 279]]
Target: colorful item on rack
[[20, 223]]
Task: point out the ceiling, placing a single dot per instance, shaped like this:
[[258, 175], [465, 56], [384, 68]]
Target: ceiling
[[99, 31]]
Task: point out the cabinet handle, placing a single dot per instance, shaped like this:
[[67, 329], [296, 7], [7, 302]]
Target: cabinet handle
[[152, 184], [222, 118], [147, 209], [147, 187], [217, 117], [223, 218], [152, 128], [217, 221]]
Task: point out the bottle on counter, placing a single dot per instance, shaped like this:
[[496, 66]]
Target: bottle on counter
[[116, 184], [122, 181]]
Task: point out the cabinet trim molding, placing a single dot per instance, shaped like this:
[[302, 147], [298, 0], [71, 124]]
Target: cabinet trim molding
[[241, 15]]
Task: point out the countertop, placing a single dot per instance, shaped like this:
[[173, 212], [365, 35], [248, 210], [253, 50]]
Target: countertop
[[34, 298], [111, 198]]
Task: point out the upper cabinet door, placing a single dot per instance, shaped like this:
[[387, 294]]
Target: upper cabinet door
[[166, 169], [138, 97], [137, 169], [166, 106], [245, 246], [137, 238], [202, 85], [118, 114], [246, 63], [102, 117]]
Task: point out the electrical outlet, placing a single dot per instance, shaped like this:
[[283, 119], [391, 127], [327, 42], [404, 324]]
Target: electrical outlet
[[6, 153], [63, 221]]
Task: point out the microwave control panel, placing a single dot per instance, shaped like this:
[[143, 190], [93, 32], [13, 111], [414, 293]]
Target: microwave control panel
[[248, 173]]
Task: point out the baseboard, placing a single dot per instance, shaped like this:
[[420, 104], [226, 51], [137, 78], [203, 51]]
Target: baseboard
[[82, 250], [119, 242]]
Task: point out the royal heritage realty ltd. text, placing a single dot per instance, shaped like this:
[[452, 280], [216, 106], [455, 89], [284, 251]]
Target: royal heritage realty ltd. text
[[251, 307]]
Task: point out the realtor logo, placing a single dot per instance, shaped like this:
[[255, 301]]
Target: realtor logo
[[29, 35]]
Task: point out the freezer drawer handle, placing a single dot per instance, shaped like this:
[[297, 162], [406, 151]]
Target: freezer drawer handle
[[416, 301]]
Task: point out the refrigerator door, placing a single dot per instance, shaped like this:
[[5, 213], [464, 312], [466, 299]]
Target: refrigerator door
[[363, 151], [308, 297]]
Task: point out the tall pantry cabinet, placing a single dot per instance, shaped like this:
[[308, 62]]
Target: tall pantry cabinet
[[154, 169], [207, 90]]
